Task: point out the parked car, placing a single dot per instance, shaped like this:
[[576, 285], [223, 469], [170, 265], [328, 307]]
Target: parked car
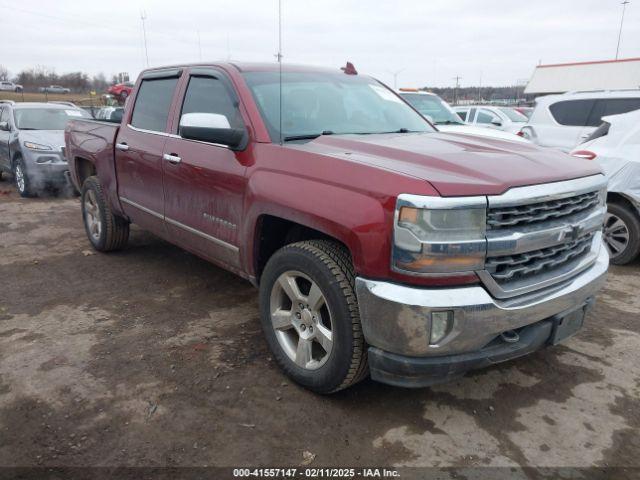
[[499, 118], [121, 90], [378, 244], [54, 89], [438, 112], [111, 114], [564, 121], [31, 141], [526, 111], [615, 146], [6, 86]]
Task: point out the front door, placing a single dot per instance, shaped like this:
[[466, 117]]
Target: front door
[[139, 148], [204, 183], [5, 160]]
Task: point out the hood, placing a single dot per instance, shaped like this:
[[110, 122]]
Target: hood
[[53, 138], [482, 132], [454, 164]]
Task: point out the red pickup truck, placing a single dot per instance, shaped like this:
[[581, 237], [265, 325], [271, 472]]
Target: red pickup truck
[[379, 245]]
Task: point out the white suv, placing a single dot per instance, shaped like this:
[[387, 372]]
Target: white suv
[[563, 121]]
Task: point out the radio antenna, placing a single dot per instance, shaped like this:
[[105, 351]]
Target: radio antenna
[[279, 57]]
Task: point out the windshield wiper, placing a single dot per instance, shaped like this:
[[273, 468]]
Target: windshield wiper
[[309, 136]]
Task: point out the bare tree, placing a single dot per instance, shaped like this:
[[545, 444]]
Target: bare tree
[[4, 73]]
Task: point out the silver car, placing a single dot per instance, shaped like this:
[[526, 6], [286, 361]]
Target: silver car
[[31, 141]]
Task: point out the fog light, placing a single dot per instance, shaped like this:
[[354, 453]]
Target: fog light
[[441, 323]]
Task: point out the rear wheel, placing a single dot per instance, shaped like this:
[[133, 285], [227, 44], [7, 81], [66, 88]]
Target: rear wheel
[[106, 231], [621, 233], [310, 315]]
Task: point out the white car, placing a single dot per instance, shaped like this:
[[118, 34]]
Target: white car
[[615, 145], [6, 86], [497, 118], [438, 112], [563, 121]]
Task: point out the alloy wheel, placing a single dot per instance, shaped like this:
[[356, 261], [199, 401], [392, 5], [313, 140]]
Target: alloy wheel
[[301, 320], [20, 181], [92, 215], [615, 235]]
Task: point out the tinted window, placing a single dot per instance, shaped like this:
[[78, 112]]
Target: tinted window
[[601, 131], [462, 115], [472, 113], [152, 104], [210, 95], [573, 113], [4, 114], [612, 106]]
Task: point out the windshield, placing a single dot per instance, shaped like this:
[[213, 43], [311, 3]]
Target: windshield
[[46, 118], [329, 103], [514, 115], [433, 107]]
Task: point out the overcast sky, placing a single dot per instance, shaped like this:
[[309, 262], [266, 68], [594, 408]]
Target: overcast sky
[[432, 41]]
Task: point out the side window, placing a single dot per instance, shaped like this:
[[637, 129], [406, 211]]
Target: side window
[[574, 113], [210, 95], [153, 101], [462, 114], [4, 114], [485, 116], [612, 106]]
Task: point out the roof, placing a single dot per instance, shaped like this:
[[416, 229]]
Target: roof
[[20, 105], [585, 76], [252, 67]]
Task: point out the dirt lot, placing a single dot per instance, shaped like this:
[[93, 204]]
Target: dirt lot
[[153, 357]]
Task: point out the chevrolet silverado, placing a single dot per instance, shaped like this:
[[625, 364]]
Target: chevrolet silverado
[[379, 245]]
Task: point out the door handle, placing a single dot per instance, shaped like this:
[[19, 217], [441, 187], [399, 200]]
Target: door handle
[[172, 158], [123, 147]]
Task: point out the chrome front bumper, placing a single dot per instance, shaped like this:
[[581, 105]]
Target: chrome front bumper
[[396, 318]]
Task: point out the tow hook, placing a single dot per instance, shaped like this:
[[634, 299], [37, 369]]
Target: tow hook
[[510, 336]]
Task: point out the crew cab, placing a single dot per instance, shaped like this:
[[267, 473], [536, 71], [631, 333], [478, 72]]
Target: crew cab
[[379, 245]]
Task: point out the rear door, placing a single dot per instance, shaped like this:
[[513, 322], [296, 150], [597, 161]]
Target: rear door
[[205, 182], [139, 148]]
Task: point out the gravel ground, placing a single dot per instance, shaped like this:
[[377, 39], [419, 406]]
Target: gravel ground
[[153, 357]]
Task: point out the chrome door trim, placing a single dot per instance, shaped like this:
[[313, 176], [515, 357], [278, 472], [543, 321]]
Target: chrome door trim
[[140, 207], [206, 236], [175, 223], [152, 132]]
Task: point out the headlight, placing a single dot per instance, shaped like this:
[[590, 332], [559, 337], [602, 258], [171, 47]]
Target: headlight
[[435, 235], [37, 146]]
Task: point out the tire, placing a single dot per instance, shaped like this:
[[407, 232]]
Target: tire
[[330, 363], [106, 231], [21, 179], [621, 233]]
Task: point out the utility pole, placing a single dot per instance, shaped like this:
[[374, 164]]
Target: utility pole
[[457, 78], [143, 17], [624, 7]]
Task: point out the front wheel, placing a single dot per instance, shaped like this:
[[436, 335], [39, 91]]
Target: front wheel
[[21, 179], [106, 231], [621, 233], [310, 315]]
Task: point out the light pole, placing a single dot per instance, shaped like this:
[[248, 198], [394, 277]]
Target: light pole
[[395, 77], [455, 90], [624, 7], [143, 17]]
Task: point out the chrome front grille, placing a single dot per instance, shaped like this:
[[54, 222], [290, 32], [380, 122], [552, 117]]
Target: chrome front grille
[[524, 265], [504, 217], [541, 235]]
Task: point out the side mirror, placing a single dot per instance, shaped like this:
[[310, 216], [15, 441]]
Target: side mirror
[[497, 123], [210, 127], [4, 126]]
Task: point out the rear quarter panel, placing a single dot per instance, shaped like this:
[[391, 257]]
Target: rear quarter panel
[[94, 141]]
